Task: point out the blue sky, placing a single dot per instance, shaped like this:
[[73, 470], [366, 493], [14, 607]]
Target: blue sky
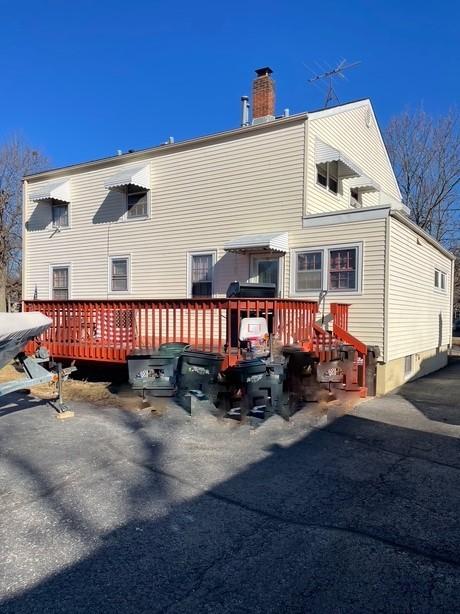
[[83, 79]]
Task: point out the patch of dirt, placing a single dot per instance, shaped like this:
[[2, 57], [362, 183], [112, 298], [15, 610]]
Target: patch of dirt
[[99, 394]]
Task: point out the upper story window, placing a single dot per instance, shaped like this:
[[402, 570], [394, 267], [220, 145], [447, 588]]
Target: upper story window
[[440, 280], [336, 269], [137, 203], [355, 198], [201, 268], [60, 214], [119, 274], [327, 176]]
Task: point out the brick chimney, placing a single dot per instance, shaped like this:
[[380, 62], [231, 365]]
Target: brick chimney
[[263, 96]]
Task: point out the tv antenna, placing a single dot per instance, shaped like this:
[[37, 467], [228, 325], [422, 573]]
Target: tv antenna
[[329, 75]]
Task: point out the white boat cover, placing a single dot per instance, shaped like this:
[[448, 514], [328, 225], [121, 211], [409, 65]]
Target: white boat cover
[[16, 329]]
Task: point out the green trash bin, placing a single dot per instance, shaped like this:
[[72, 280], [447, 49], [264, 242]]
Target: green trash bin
[[174, 347]]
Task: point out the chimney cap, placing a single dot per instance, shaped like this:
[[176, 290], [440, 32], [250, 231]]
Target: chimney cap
[[264, 71]]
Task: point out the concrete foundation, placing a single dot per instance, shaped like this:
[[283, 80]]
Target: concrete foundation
[[392, 374]]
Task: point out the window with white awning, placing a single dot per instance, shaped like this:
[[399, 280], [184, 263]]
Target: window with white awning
[[134, 182], [128, 178], [346, 168], [52, 191]]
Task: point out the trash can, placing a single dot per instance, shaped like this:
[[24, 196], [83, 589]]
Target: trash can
[[153, 371], [198, 370], [174, 347]]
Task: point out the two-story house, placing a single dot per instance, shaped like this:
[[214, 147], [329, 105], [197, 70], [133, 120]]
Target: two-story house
[[309, 202]]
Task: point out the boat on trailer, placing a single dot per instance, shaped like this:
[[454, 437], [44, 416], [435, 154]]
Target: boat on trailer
[[16, 330]]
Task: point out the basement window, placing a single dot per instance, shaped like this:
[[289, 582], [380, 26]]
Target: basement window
[[327, 176], [408, 365]]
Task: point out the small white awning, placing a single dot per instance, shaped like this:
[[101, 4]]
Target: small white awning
[[326, 153], [364, 184], [271, 242], [137, 176], [56, 190]]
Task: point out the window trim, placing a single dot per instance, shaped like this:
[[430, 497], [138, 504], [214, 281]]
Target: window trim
[[326, 249], [109, 274], [442, 275], [59, 265], [139, 218], [294, 277], [209, 252]]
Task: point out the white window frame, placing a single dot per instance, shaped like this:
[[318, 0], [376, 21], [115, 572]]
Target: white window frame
[[57, 204], [109, 280], [140, 218], [326, 187], [209, 252], [60, 265], [441, 276], [326, 249], [256, 257]]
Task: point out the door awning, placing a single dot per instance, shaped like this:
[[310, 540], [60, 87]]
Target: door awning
[[327, 153], [56, 190], [364, 184], [271, 242], [136, 176]]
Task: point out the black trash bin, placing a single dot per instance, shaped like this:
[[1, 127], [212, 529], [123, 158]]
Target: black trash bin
[[198, 370]]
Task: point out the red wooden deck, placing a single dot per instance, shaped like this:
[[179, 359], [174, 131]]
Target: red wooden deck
[[107, 331]]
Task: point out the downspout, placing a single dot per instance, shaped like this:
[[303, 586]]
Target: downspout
[[386, 286], [305, 170], [24, 241]]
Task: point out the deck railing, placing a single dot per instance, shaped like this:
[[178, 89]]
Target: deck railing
[[109, 330]]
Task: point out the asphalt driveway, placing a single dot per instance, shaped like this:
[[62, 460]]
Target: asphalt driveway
[[116, 511]]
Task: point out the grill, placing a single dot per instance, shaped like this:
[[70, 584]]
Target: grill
[[245, 290]]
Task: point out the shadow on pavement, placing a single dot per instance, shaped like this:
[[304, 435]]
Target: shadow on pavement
[[358, 517]]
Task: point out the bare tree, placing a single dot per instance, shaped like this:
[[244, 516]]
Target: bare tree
[[16, 160], [425, 153]]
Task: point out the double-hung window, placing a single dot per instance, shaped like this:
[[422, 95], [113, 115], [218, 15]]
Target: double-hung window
[[327, 174], [136, 203], [342, 269], [60, 283], [119, 274], [60, 214], [336, 269], [309, 271], [201, 273]]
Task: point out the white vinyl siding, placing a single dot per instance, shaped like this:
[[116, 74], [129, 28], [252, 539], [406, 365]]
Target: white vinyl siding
[[204, 196], [348, 132], [367, 305], [419, 315]]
